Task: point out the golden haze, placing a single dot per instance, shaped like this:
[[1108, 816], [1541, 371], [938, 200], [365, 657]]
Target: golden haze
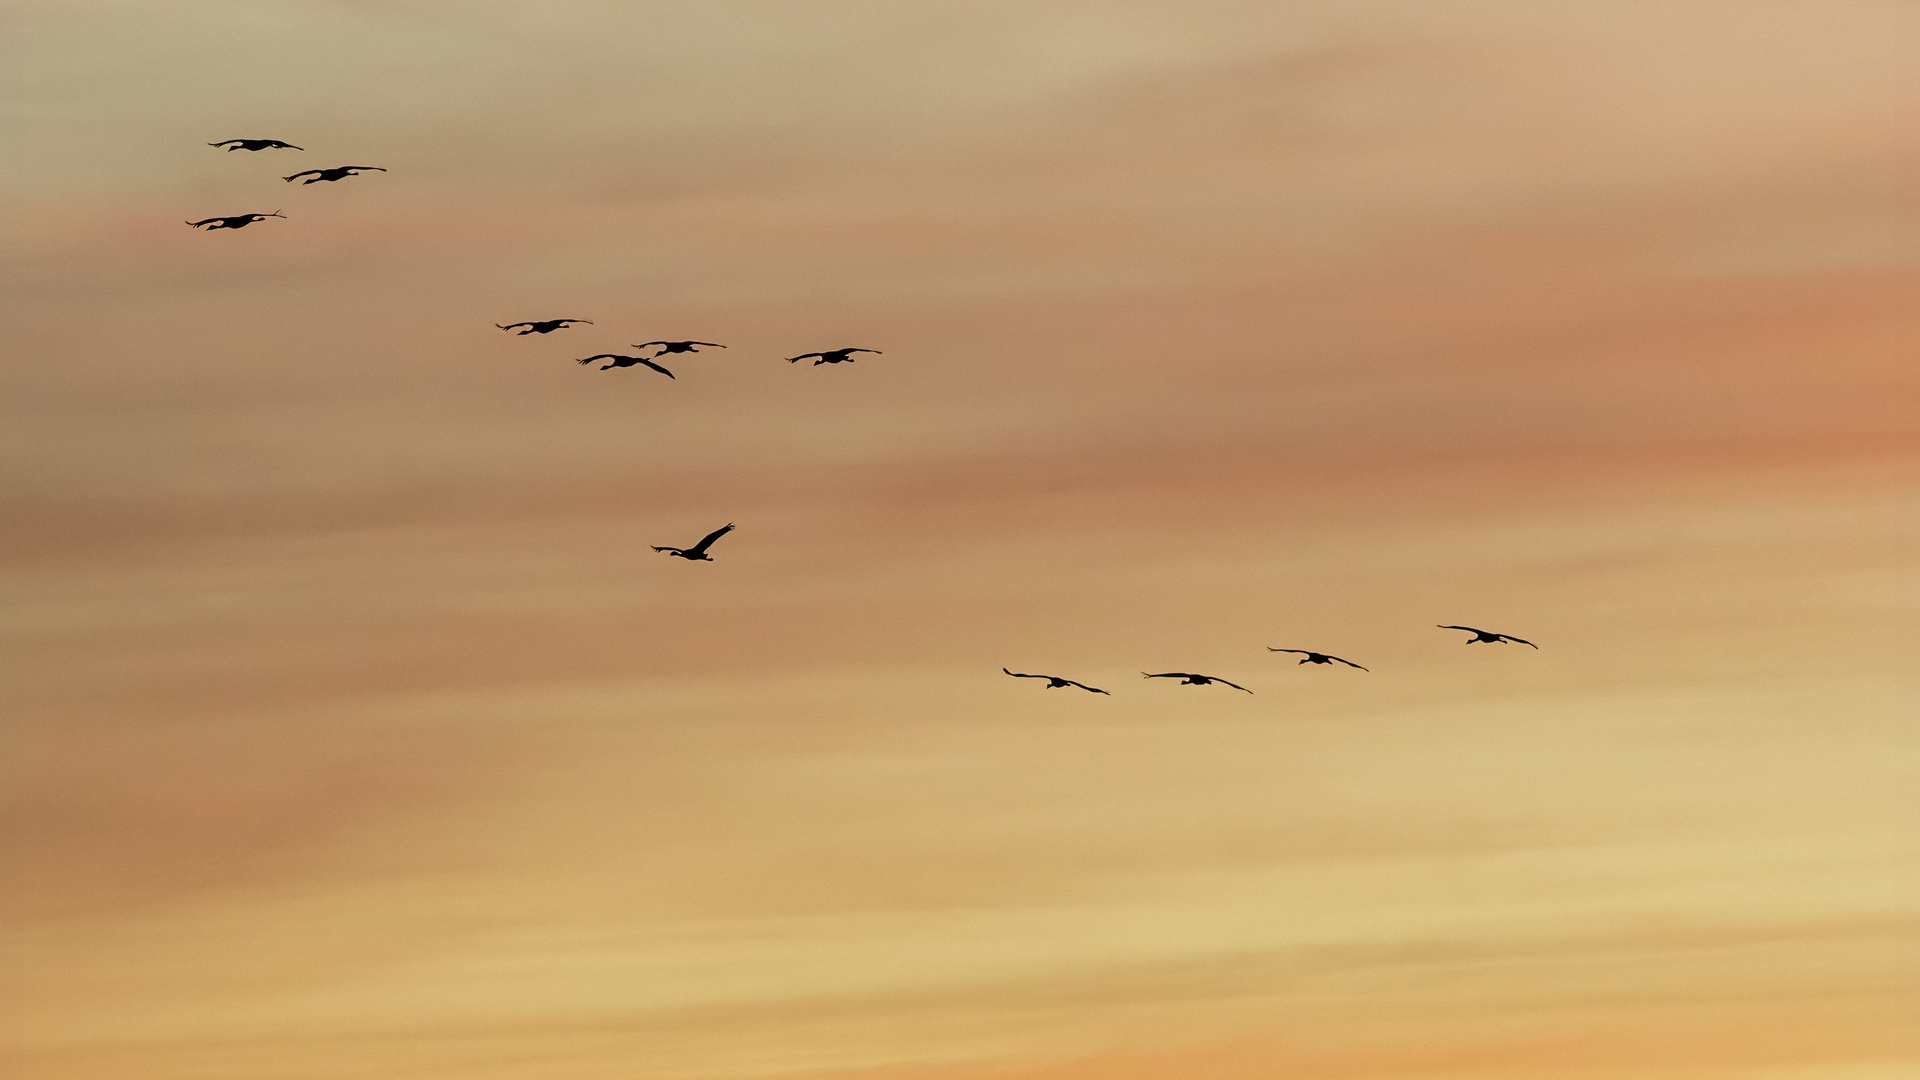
[[361, 736]]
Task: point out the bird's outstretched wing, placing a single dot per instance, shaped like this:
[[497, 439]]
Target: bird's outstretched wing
[[701, 547], [1469, 629], [803, 356], [1235, 685], [284, 145], [675, 550], [1349, 663], [662, 371], [708, 344], [875, 352], [1517, 640], [510, 326], [1083, 686], [589, 322], [209, 221], [591, 359], [1174, 675], [364, 168], [298, 175], [1019, 675], [1302, 652], [645, 344]]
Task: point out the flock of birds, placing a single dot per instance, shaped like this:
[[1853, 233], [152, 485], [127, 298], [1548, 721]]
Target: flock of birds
[[1188, 678], [698, 552], [536, 326], [241, 221]]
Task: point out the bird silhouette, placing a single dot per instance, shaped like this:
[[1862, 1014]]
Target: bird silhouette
[[832, 356], [544, 326], [238, 221], [698, 552], [1487, 636], [624, 361], [255, 144], [678, 346], [1055, 682], [1188, 678], [333, 174], [1317, 657]]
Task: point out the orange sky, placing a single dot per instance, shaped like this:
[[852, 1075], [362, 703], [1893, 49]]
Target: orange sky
[[360, 735]]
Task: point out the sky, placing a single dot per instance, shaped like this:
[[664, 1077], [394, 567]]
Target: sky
[[357, 732]]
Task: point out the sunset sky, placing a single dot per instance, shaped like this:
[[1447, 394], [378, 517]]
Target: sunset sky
[[359, 734]]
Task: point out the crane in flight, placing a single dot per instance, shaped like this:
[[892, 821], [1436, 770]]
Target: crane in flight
[[1317, 657], [544, 326], [678, 346], [238, 221], [1055, 682], [616, 360], [832, 356], [1188, 678], [333, 174], [255, 144], [698, 552], [1487, 636]]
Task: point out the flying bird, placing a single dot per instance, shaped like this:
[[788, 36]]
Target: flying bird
[[333, 174], [1055, 682], [1487, 636], [255, 144], [544, 326], [832, 356], [1188, 678], [698, 552], [624, 361], [1317, 657], [238, 221], [678, 346]]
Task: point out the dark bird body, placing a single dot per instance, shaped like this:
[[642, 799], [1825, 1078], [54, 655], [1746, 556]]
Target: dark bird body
[[1317, 657], [333, 174], [254, 144], [1188, 678], [678, 346], [238, 221], [1487, 636], [544, 326], [832, 356], [1055, 682], [615, 360], [698, 552]]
